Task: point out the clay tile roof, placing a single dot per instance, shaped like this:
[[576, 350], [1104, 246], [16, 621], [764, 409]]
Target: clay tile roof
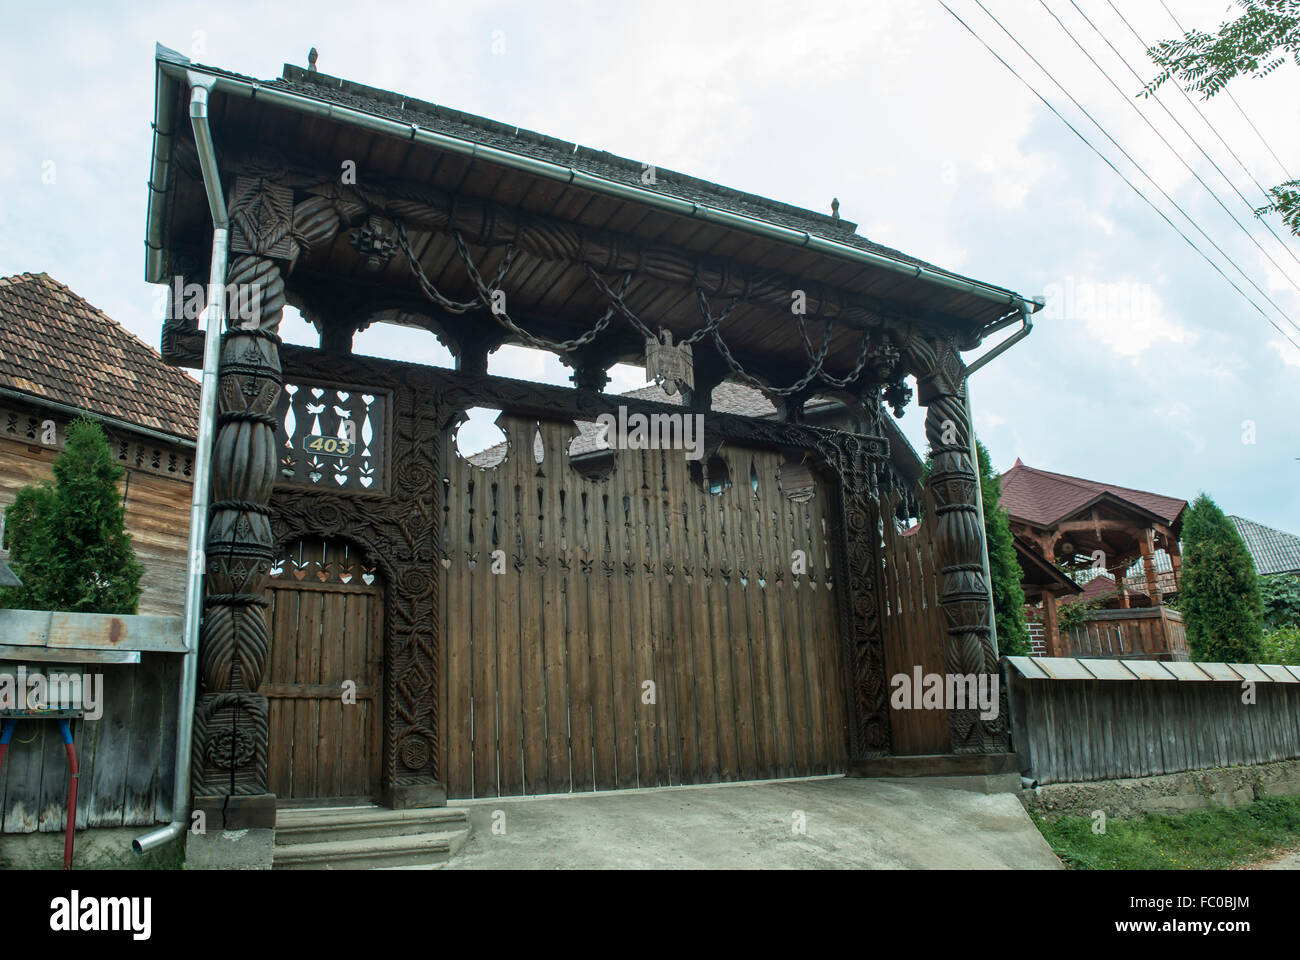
[[1042, 498], [54, 345]]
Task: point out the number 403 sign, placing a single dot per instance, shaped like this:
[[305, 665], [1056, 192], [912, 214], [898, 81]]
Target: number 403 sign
[[343, 446]]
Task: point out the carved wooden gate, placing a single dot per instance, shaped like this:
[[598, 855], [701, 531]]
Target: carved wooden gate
[[325, 678], [639, 630]]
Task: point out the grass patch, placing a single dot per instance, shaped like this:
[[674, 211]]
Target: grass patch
[[1215, 839]]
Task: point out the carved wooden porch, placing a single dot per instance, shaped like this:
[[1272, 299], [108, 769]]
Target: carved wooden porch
[[699, 586]]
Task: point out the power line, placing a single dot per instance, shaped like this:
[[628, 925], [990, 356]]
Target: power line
[[1195, 106], [1239, 107], [1164, 193], [1193, 140], [1119, 173]]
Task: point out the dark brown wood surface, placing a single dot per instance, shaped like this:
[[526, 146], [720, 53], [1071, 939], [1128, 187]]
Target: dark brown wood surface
[[612, 583], [325, 632]]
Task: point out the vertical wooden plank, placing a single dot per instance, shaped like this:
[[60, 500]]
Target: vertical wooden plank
[[724, 692], [682, 651], [625, 687], [806, 599], [145, 727], [553, 583], [284, 645], [637, 490], [458, 730], [604, 576], [577, 628], [699, 555], [494, 638], [788, 598], [522, 487], [731, 523], [333, 672], [659, 560], [305, 711], [749, 506], [830, 654], [766, 509], [170, 695], [108, 781]]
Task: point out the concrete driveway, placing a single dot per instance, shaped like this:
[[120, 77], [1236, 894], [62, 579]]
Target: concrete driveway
[[813, 824]]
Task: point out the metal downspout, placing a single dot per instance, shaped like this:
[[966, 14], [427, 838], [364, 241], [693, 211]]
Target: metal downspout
[[1027, 310], [215, 314]]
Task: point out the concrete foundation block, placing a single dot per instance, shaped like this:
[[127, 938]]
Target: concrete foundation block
[[251, 849]]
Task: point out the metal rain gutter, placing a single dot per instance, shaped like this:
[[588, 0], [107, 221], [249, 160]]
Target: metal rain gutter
[[580, 178], [1027, 309], [201, 88]]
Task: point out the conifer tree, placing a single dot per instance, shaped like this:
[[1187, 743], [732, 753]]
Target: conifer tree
[[1218, 591], [67, 539]]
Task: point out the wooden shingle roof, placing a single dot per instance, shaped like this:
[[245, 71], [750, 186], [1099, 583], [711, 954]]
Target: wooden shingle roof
[[56, 346], [1274, 551]]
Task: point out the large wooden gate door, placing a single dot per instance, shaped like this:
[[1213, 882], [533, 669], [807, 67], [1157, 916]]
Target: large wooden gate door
[[324, 682], [649, 627]]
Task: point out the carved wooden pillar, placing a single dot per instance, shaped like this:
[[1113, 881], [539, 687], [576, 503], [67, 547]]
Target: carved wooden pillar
[[851, 457], [231, 717], [954, 487]]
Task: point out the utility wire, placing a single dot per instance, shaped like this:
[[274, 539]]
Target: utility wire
[[1154, 129], [1191, 243], [1239, 107], [1164, 193], [1193, 140], [1197, 107]]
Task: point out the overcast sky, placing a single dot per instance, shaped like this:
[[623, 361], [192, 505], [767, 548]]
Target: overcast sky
[[1147, 369]]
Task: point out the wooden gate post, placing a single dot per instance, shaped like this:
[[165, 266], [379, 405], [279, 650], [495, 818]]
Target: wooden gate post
[[231, 718], [954, 486]]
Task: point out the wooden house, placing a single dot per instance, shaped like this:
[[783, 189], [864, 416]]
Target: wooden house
[[61, 357]]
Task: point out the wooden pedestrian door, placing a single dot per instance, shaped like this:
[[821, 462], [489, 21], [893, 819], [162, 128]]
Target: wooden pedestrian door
[[325, 679], [655, 622]]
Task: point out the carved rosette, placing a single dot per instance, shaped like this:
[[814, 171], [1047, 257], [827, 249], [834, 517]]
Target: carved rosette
[[954, 486]]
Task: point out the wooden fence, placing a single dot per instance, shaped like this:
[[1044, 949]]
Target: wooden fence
[[1145, 633], [127, 756], [913, 627], [1107, 719]]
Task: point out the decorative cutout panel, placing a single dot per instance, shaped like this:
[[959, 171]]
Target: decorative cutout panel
[[332, 439]]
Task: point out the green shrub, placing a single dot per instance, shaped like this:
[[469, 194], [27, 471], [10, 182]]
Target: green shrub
[[67, 539], [1281, 646], [1219, 595]]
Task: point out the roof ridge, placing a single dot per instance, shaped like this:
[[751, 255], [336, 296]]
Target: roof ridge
[[1084, 482]]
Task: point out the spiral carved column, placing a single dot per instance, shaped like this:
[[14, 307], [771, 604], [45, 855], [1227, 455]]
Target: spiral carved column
[[231, 717], [954, 488]]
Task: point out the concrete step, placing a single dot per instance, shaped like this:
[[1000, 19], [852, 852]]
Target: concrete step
[[368, 853], [321, 824]]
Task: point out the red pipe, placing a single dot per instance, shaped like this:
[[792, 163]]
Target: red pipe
[[73, 776]]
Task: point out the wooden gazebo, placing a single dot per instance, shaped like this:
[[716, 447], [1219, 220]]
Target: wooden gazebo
[[529, 628]]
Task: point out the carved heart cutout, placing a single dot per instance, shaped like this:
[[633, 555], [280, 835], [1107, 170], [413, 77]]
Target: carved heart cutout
[[315, 477], [317, 392], [446, 563], [341, 478], [369, 398], [367, 481], [368, 578], [343, 397]]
